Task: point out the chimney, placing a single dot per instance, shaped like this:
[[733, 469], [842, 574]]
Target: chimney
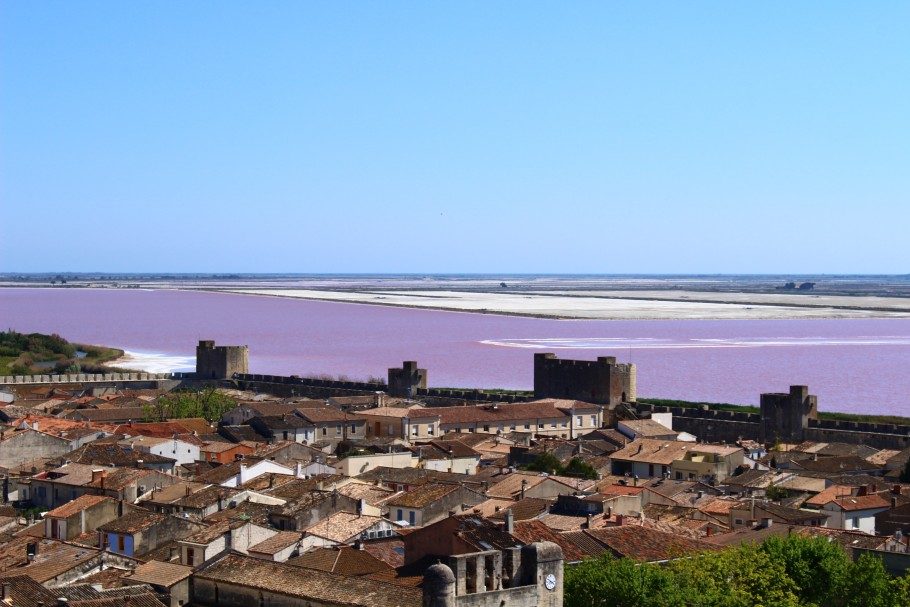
[[62, 601], [894, 502], [896, 489], [524, 483], [4, 591], [619, 519], [609, 512], [31, 551], [588, 522], [510, 521], [766, 522], [97, 475], [187, 490]]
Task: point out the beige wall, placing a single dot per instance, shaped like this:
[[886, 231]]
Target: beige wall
[[358, 464]]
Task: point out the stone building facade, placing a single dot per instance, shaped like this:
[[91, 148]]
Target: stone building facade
[[530, 576], [602, 381], [406, 381], [221, 362]]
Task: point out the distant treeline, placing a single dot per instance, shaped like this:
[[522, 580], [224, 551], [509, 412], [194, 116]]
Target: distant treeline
[[37, 353]]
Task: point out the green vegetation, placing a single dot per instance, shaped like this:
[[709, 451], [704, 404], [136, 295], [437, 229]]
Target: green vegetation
[[549, 463], [775, 493], [666, 402], [207, 402], [869, 419], [36, 353], [788, 571]]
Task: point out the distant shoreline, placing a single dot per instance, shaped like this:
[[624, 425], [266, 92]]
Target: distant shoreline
[[594, 306]]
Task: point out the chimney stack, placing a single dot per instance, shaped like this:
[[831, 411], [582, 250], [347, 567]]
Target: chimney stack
[[510, 521]]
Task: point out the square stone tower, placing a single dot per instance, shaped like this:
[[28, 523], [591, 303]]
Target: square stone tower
[[221, 362]]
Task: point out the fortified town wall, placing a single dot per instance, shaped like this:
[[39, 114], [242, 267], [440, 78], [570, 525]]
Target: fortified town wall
[[787, 417]]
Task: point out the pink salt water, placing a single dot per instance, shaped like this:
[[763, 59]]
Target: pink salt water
[[853, 365]]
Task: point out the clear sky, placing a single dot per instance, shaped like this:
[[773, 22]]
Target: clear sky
[[614, 137]]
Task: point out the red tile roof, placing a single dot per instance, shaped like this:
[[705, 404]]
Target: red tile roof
[[83, 502]]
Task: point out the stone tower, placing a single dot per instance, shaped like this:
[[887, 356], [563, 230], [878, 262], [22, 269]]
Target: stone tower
[[221, 362], [545, 561], [602, 381], [438, 586], [405, 382], [785, 416]]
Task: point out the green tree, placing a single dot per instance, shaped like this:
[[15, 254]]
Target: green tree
[[611, 582], [868, 585], [207, 402], [818, 567], [545, 462], [774, 493], [743, 577], [582, 469]]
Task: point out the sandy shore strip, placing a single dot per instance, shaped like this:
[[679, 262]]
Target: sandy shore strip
[[618, 305], [153, 362]]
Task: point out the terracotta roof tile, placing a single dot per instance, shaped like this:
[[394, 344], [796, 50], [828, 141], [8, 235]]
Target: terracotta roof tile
[[861, 502], [277, 542], [342, 560], [83, 502], [341, 527], [423, 496], [159, 573], [316, 586]]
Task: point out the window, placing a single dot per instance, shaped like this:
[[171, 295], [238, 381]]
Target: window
[[486, 427], [121, 543], [353, 428], [415, 430], [430, 429], [400, 514], [338, 429], [540, 426], [527, 426], [190, 557], [412, 518], [594, 420], [324, 431], [553, 424], [679, 476], [579, 420], [856, 522], [650, 469]]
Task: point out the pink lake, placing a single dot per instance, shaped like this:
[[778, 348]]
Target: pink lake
[[853, 365]]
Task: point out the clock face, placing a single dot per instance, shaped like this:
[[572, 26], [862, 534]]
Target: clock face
[[550, 581]]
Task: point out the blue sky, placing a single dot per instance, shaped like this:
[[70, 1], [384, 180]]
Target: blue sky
[[612, 137]]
